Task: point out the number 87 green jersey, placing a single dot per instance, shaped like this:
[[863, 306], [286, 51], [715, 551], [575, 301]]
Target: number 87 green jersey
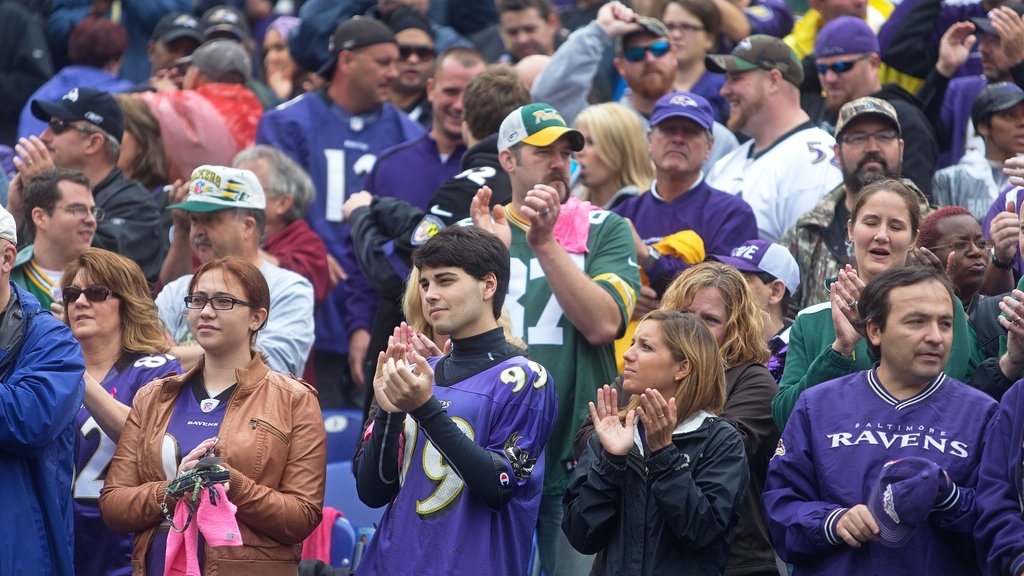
[[577, 367]]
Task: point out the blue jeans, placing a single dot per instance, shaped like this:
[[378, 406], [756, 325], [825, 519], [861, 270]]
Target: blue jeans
[[557, 556]]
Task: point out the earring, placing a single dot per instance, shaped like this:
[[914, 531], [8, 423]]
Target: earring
[[678, 378]]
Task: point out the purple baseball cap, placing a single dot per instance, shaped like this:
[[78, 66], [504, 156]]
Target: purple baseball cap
[[762, 256], [683, 105], [904, 497], [844, 36]]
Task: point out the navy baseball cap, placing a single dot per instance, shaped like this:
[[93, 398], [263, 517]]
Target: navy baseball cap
[[762, 256], [683, 105], [94, 106], [177, 25], [984, 25], [354, 33], [844, 36], [995, 98], [904, 497]]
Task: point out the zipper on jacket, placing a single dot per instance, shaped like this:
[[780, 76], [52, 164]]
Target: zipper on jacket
[[257, 423]]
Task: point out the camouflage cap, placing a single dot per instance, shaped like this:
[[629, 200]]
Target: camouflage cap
[[759, 51], [866, 106]]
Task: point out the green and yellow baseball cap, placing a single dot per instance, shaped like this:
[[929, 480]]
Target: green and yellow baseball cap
[[215, 188], [536, 124]]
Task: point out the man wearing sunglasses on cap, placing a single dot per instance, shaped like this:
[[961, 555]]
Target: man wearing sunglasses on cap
[[847, 55], [60, 218], [84, 133], [41, 370], [645, 58]]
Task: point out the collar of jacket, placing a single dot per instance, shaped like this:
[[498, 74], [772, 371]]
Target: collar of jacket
[[12, 329], [247, 376]]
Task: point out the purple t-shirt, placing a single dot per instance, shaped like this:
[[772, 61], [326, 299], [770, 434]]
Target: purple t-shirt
[[191, 422], [93, 451]]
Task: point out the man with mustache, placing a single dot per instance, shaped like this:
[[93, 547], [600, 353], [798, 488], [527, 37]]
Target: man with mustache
[[572, 290], [227, 213], [787, 164], [869, 146], [876, 471], [60, 217]]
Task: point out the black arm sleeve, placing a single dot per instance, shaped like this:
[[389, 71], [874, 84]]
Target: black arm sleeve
[[906, 37], [989, 378], [931, 96], [480, 469], [376, 466]]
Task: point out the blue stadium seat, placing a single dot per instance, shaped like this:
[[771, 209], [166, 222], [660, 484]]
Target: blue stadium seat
[[343, 543], [341, 494], [343, 430]]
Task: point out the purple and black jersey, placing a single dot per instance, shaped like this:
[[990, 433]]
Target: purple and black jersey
[[98, 550], [838, 437], [435, 524]]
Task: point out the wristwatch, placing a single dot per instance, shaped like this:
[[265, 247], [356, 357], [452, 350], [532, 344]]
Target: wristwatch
[[1001, 265]]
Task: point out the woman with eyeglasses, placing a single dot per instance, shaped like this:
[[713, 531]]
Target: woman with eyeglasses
[[953, 236], [110, 312], [266, 427], [826, 340], [695, 28]]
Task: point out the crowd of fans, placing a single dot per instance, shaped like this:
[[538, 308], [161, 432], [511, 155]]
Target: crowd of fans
[[662, 286]]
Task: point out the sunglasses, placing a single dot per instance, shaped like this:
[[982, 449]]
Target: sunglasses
[[422, 52], [59, 127], [638, 53], [840, 67], [94, 293]]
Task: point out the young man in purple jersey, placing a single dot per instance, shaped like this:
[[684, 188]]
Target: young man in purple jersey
[[834, 503], [456, 443]]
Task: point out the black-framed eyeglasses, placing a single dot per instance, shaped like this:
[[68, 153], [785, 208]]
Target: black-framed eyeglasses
[[198, 302], [61, 126], [405, 51], [840, 67], [962, 245], [93, 293], [638, 53], [684, 28], [859, 139], [81, 211]]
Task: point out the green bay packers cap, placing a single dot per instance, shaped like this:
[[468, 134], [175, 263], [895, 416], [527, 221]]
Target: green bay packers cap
[[215, 188], [536, 124]]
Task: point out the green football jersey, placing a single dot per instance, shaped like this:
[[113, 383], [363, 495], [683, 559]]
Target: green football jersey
[[577, 367]]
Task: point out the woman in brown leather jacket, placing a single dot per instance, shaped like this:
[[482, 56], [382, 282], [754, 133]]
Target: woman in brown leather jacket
[[266, 426]]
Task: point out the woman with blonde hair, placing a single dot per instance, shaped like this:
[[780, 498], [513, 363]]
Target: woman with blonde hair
[[614, 163], [109, 309], [667, 472], [720, 296]]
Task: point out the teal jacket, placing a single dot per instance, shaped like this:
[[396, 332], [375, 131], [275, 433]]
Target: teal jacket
[[811, 359]]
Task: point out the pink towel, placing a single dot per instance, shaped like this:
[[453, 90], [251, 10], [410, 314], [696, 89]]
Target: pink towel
[[216, 522], [317, 546], [573, 226]]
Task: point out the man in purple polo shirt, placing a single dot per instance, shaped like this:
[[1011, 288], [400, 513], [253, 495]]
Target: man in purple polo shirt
[[680, 200]]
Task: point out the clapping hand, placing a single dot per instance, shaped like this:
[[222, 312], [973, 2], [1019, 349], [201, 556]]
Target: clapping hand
[[845, 317], [658, 417], [404, 389], [616, 437]]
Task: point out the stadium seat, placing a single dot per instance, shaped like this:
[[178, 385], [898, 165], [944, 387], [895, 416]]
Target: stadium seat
[[343, 429], [343, 543], [341, 494]]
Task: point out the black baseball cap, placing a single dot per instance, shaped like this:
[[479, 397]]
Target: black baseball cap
[[984, 25], [94, 106], [177, 25], [353, 33], [225, 22], [995, 98]]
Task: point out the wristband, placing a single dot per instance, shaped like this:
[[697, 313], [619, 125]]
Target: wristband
[[1001, 265]]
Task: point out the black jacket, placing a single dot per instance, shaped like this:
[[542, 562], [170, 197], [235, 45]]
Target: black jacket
[[131, 225], [24, 64], [671, 512]]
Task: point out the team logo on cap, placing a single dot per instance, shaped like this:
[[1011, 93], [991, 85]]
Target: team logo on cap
[[186, 21], [888, 505], [683, 100], [547, 114], [71, 96], [93, 117], [224, 16], [744, 44], [513, 135]]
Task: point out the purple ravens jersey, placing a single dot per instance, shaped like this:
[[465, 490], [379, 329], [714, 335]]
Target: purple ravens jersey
[[93, 451], [435, 525], [191, 422]]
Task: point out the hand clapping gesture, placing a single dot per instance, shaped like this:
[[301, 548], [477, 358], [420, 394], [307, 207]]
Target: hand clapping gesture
[[616, 437]]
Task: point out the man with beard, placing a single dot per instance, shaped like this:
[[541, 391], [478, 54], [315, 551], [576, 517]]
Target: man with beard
[[787, 165], [646, 60], [848, 64], [869, 146], [572, 291]]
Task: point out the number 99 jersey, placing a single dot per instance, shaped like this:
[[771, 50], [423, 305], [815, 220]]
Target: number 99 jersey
[[435, 525]]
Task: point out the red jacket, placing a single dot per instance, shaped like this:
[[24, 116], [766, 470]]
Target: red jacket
[[299, 249]]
